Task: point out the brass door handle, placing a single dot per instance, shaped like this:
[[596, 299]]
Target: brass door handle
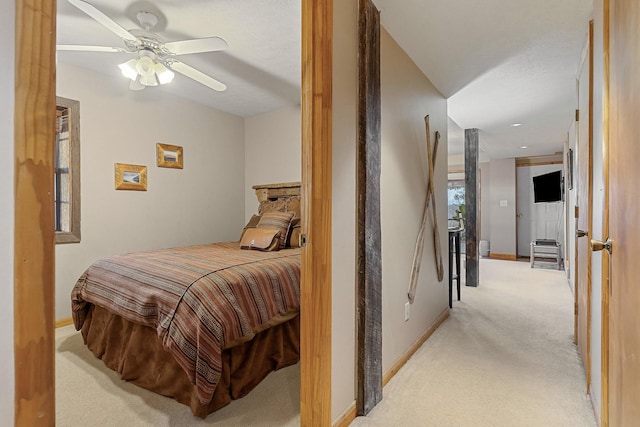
[[597, 245], [581, 233]]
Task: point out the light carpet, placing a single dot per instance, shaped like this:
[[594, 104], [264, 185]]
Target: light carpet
[[505, 357], [89, 394]]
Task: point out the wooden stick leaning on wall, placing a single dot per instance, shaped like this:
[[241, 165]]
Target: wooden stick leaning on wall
[[429, 200]]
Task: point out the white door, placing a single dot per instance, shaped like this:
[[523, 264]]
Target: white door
[[524, 200], [536, 220]]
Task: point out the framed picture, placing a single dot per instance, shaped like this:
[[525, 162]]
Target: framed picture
[[169, 156], [131, 177]]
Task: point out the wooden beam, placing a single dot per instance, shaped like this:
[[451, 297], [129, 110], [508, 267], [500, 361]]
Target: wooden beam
[[316, 209], [369, 246], [34, 238], [553, 159], [471, 193]]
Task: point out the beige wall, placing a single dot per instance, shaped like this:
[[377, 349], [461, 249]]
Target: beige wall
[[502, 178], [272, 151], [407, 96], [345, 53], [7, 80], [204, 202]]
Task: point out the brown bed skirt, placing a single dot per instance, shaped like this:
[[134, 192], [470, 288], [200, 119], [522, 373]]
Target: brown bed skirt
[[135, 352]]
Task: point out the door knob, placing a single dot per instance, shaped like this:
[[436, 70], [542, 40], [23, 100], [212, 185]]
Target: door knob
[[581, 233], [597, 245]]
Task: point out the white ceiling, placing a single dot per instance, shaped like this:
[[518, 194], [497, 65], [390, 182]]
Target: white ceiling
[[498, 61]]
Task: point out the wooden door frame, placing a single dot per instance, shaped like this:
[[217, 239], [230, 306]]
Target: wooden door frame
[[34, 273], [604, 345], [316, 207], [34, 238], [587, 61]]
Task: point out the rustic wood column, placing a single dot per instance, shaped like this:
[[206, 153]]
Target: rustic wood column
[[471, 190], [369, 274]]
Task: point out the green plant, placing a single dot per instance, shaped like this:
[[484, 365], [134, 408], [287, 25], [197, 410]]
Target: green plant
[[460, 213]]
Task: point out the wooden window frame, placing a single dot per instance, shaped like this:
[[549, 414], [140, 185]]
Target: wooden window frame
[[73, 107]]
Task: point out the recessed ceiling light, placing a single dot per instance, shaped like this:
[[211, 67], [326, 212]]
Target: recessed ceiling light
[[524, 146], [515, 125]]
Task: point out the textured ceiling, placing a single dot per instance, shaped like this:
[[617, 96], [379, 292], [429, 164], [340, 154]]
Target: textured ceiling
[[498, 61]]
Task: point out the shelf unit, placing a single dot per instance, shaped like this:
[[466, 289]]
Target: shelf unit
[[546, 253]]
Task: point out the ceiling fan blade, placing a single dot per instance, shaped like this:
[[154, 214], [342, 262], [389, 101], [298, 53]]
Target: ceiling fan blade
[[103, 19], [196, 75], [208, 44], [84, 48]]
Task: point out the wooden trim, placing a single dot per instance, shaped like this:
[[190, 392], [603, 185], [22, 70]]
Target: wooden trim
[[347, 417], [402, 360], [505, 257], [604, 398], [555, 159], [316, 209], [61, 323], [34, 241]]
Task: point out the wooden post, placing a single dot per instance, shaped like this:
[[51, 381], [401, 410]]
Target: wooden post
[[34, 267], [471, 190], [316, 209], [369, 273]]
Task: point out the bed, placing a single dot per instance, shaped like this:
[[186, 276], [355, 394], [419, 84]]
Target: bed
[[202, 324]]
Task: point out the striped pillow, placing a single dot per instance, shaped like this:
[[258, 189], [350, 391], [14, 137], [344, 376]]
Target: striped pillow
[[279, 220]]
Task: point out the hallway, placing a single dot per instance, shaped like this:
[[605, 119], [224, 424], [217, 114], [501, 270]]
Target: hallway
[[505, 357]]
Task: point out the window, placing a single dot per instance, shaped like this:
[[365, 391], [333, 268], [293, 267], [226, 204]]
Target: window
[[67, 171]]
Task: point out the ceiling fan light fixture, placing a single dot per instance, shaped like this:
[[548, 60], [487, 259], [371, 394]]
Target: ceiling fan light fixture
[[164, 74], [136, 85], [129, 69], [149, 79]]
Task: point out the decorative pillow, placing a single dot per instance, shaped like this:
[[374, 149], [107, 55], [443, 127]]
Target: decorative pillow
[[293, 238], [253, 222], [261, 239], [278, 220]]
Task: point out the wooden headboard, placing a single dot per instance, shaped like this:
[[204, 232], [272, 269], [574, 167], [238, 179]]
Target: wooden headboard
[[280, 197]]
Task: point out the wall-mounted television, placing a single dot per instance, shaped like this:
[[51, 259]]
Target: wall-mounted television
[[547, 187]]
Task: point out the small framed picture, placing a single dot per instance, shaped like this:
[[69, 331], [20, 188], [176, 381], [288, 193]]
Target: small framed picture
[[130, 177], [169, 156]]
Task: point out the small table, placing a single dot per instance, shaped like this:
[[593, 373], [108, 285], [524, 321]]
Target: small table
[[454, 250], [546, 252]]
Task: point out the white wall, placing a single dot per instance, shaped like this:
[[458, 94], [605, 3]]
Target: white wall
[[7, 81], [202, 203], [407, 96], [571, 203], [272, 151], [485, 200], [502, 179]]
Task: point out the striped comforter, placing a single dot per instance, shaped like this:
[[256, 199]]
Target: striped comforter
[[200, 299]]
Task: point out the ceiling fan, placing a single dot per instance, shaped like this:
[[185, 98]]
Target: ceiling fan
[[155, 61]]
